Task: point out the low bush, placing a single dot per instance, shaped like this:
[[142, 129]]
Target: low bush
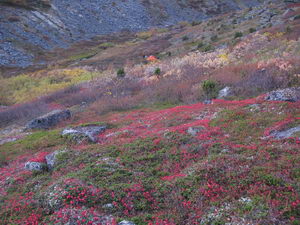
[[252, 30], [157, 72], [121, 73], [238, 35]]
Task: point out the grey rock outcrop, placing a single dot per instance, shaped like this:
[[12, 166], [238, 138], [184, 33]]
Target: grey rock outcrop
[[288, 94], [84, 133], [286, 133], [49, 120]]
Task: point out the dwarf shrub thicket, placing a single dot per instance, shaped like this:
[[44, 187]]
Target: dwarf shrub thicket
[[121, 73], [238, 35]]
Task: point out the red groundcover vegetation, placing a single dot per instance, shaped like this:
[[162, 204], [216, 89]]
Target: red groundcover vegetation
[[149, 168]]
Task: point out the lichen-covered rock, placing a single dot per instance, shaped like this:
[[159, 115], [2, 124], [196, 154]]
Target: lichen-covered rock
[[35, 166], [84, 133], [49, 120], [75, 216], [288, 94]]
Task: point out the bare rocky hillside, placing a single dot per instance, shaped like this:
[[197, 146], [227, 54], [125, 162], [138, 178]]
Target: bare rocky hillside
[[29, 28]]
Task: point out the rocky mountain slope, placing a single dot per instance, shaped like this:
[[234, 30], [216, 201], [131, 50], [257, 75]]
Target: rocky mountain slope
[[29, 28]]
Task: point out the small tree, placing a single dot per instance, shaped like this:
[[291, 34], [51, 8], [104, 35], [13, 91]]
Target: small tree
[[121, 73], [210, 88]]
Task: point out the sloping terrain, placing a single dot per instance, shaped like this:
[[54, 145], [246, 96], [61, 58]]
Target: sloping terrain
[[195, 164], [29, 29], [198, 133]]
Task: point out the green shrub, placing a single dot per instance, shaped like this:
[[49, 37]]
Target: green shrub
[[238, 35], [252, 30], [210, 88], [195, 23], [121, 73], [157, 71], [185, 38]]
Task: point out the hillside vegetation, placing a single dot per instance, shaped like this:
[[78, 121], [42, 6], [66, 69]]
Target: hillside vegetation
[[190, 129]]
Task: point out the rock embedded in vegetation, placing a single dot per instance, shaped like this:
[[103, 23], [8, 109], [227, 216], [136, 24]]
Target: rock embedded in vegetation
[[286, 133], [125, 222], [225, 92], [84, 133], [51, 159], [207, 102], [288, 94], [194, 130], [49, 120], [35, 166], [47, 163]]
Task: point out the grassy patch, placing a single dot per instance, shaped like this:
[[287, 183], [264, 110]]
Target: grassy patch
[[35, 142]]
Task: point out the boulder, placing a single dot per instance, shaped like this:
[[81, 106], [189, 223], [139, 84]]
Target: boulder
[[84, 133], [35, 166], [288, 94], [225, 92], [49, 120]]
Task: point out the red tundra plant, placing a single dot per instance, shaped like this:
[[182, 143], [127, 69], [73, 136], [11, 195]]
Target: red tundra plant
[[213, 191], [41, 157], [172, 177], [19, 207], [33, 219]]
